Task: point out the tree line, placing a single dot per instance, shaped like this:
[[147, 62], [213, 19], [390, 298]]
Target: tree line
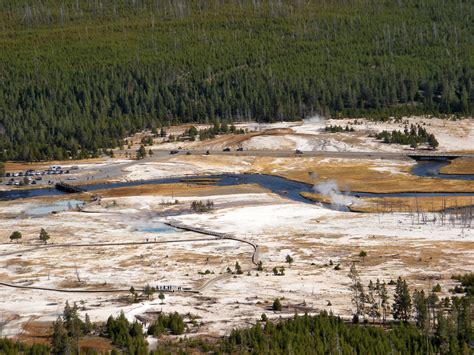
[[413, 137], [79, 76]]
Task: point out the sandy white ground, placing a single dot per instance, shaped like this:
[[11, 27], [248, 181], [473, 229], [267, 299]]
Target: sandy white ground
[[312, 235]]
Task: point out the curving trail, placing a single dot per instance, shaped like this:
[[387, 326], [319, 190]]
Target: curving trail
[[219, 236], [81, 245], [48, 246], [63, 290], [214, 236]]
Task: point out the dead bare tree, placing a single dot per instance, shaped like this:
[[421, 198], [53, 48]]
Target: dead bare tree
[[77, 273]]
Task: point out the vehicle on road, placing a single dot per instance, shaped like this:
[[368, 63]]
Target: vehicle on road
[[299, 152], [226, 150], [174, 151], [240, 149]]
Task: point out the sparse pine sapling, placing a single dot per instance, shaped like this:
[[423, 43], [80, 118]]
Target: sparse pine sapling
[[276, 305], [15, 236], [44, 236]]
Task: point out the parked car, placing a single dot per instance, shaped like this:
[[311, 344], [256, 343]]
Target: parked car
[[240, 149], [226, 150], [299, 152], [174, 151]]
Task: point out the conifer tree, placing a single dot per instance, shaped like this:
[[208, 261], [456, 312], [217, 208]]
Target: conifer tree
[[421, 309], [44, 236], [401, 308], [16, 236]]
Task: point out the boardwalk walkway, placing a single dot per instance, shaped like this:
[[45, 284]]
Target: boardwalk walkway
[[216, 234]]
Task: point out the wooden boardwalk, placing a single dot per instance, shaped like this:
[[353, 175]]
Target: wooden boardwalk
[[218, 235]]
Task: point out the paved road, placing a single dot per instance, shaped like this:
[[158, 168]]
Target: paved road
[[291, 153], [115, 171]]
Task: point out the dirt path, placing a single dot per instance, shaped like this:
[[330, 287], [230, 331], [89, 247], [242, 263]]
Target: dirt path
[[48, 246]]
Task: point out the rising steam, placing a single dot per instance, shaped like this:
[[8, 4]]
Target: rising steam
[[331, 190]]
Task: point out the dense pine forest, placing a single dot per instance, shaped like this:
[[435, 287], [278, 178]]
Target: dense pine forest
[[77, 76]]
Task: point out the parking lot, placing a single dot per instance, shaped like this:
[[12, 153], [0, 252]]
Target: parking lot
[[39, 177]]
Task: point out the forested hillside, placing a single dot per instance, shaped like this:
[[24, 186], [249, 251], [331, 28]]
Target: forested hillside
[[77, 76]]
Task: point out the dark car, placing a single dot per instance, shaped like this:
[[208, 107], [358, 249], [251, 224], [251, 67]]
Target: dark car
[[240, 149], [298, 151], [226, 150], [174, 151]]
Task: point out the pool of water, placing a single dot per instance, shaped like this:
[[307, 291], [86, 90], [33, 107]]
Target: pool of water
[[163, 228], [57, 206]]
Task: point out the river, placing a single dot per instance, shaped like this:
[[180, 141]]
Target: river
[[281, 186]]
